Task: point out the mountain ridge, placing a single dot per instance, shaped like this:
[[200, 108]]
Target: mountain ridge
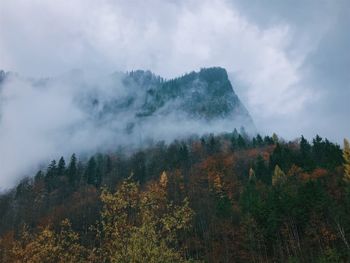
[[206, 94], [199, 98]]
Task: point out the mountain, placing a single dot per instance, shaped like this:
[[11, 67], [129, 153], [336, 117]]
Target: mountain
[[206, 96], [140, 105]]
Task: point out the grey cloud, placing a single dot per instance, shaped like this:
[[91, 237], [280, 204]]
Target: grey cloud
[[288, 60], [319, 30]]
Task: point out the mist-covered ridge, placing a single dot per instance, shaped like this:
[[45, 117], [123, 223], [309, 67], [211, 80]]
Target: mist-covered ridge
[[85, 113]]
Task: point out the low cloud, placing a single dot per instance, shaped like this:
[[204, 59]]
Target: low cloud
[[288, 62], [43, 119], [167, 37]]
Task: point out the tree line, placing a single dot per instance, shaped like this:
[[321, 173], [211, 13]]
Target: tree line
[[223, 198]]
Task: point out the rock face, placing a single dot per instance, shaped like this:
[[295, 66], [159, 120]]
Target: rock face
[[206, 95]]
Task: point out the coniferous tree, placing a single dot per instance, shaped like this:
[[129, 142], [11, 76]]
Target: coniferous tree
[[268, 140], [184, 156], [139, 166], [317, 147], [90, 172], [72, 169], [261, 170], [108, 164], [259, 140], [51, 175], [254, 142], [233, 142], [100, 169], [213, 145], [305, 147], [241, 143], [235, 133], [61, 168], [305, 154], [52, 169], [39, 176]]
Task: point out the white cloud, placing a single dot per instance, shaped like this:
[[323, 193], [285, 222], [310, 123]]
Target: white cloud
[[168, 37]]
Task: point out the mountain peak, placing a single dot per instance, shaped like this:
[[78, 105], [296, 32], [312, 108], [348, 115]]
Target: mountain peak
[[206, 95], [213, 74]]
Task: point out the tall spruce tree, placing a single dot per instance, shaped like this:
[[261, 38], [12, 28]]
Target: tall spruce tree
[[72, 169], [91, 171], [52, 169], [241, 143], [61, 168]]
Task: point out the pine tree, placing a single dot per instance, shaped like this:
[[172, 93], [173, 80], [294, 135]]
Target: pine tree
[[262, 172], [346, 156], [183, 153], [52, 169], [90, 172], [61, 168], [100, 169], [305, 147], [268, 140], [72, 169], [213, 145], [241, 143], [39, 176], [254, 142], [233, 141], [51, 176], [235, 134], [259, 140]]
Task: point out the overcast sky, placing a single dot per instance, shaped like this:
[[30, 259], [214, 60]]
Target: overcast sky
[[289, 61]]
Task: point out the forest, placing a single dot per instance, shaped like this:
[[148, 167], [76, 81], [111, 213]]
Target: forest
[[216, 198]]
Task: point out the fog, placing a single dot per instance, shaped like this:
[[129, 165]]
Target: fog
[[288, 62], [43, 119]]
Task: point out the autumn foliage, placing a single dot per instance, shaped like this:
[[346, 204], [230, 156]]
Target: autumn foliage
[[225, 198]]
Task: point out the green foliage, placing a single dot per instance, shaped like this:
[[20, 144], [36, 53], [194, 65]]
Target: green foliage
[[72, 169], [261, 170], [241, 142], [61, 168], [91, 173]]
